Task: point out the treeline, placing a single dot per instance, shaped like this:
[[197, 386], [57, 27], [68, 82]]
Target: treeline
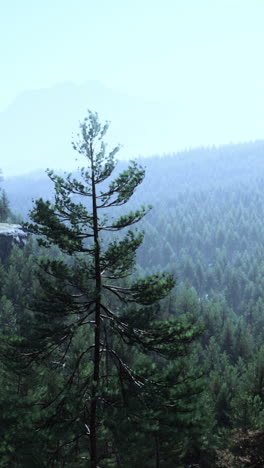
[[197, 170], [206, 228]]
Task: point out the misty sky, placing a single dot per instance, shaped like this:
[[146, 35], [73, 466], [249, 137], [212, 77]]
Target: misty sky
[[205, 56]]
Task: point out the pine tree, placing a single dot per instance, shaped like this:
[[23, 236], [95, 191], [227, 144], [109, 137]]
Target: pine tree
[[4, 208], [88, 297], [20, 442]]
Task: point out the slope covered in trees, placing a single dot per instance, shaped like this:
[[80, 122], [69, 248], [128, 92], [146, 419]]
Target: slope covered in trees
[[117, 358], [206, 228]]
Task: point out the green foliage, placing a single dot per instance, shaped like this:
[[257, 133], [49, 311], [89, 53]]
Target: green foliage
[[207, 228], [5, 212], [118, 356]]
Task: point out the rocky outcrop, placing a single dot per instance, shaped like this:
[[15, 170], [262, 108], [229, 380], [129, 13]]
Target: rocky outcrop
[[11, 234]]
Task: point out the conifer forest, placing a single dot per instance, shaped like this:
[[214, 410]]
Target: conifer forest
[[132, 318]]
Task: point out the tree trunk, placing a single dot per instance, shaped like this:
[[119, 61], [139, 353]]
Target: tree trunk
[[157, 449], [97, 332]]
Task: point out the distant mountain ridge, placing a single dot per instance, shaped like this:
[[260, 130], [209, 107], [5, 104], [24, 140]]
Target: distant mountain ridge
[[36, 129], [197, 170]]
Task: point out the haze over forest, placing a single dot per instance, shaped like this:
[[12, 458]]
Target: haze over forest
[[132, 278], [206, 229], [168, 77]]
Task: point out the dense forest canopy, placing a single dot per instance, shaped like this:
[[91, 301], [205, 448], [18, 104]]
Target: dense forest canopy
[[206, 229], [166, 175]]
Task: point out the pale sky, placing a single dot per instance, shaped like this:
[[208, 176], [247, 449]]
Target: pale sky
[[204, 55]]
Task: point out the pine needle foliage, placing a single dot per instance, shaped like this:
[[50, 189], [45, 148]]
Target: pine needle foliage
[[88, 308]]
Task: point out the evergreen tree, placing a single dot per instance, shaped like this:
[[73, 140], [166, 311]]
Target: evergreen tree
[[88, 289], [4, 204], [4, 208], [20, 387]]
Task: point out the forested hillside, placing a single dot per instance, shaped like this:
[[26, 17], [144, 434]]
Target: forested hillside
[[206, 228]]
